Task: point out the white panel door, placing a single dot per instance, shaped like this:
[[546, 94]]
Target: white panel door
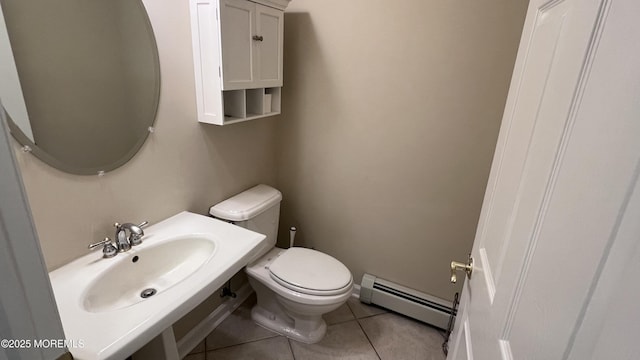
[[270, 29], [557, 243], [237, 28]]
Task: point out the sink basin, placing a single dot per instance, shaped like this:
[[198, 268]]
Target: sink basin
[[157, 267], [180, 263]]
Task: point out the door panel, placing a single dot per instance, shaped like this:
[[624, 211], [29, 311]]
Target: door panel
[[459, 344], [540, 62], [236, 30], [270, 25], [563, 174], [464, 347]]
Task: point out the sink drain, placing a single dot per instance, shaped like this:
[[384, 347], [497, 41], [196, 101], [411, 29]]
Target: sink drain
[[146, 293]]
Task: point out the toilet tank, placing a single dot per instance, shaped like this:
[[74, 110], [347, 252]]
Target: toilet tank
[[256, 209]]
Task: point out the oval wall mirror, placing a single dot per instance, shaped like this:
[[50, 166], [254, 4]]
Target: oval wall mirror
[[80, 80]]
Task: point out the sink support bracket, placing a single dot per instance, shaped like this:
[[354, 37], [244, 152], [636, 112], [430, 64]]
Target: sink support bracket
[[226, 291]]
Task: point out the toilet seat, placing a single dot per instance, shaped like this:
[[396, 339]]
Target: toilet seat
[[310, 272]]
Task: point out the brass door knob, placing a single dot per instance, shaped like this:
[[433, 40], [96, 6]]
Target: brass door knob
[[455, 266]]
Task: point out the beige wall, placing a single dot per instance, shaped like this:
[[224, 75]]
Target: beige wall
[[390, 116]]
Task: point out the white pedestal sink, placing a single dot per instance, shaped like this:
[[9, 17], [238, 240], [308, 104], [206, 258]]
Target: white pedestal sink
[[184, 259]]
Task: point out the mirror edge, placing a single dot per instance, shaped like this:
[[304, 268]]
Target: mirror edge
[[38, 152]]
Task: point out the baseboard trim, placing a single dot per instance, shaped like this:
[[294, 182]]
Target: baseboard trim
[[208, 324]]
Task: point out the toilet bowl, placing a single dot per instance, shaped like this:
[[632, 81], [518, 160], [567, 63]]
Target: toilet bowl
[[294, 286], [290, 309]]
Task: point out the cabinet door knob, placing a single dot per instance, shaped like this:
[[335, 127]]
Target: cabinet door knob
[[257, 38]]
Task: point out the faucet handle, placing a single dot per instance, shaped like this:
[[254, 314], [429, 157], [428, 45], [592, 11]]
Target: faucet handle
[[103, 242], [135, 238], [142, 224], [109, 250]]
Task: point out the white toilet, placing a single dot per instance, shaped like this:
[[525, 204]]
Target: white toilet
[[295, 286]]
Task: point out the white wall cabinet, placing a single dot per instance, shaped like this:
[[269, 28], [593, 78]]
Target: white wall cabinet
[[251, 36], [237, 48]]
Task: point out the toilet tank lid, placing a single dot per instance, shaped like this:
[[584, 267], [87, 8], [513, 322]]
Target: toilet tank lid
[[247, 204]]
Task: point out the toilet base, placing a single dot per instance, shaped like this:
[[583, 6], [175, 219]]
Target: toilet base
[[308, 329]]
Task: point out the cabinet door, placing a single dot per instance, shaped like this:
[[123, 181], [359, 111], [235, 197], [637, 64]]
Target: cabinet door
[[237, 22], [268, 59]]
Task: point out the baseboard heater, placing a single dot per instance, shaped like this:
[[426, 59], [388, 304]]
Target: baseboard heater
[[409, 302]]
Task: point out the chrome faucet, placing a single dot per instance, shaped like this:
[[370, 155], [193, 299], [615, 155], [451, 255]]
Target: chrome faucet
[[124, 242]]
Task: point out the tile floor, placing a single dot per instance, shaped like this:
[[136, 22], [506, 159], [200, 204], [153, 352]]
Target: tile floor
[[355, 331]]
